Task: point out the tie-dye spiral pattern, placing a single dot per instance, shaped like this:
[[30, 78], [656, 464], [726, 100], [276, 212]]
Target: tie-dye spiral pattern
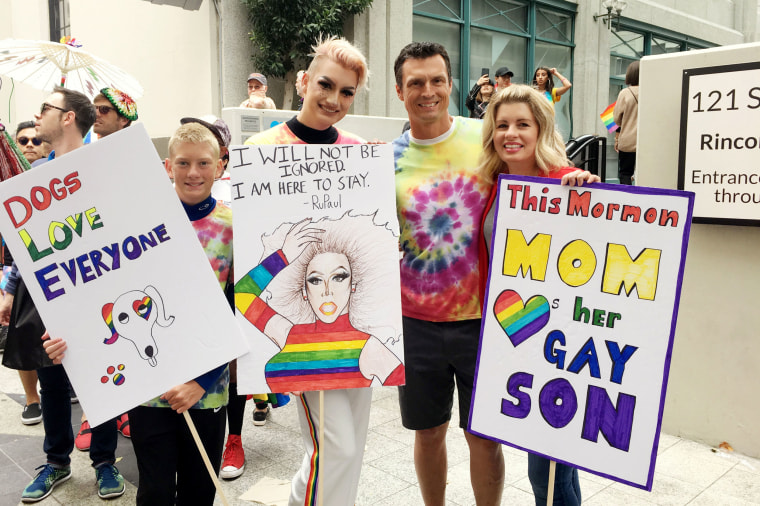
[[440, 202]]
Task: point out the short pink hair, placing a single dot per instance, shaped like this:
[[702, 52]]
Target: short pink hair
[[342, 52]]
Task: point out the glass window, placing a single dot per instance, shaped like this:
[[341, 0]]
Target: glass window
[[492, 50], [60, 24], [554, 25], [519, 34], [618, 66], [663, 46], [445, 8], [446, 34], [625, 43], [507, 15]]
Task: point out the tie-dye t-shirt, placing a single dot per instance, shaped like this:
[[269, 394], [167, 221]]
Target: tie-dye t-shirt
[[281, 134], [215, 234], [440, 201]]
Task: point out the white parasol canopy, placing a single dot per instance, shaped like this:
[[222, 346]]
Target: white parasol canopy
[[44, 65]]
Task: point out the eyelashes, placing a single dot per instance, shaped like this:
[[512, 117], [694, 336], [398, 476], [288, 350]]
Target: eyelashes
[[327, 86]]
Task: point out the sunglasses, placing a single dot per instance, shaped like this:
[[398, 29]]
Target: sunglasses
[[104, 109], [23, 141], [46, 106]]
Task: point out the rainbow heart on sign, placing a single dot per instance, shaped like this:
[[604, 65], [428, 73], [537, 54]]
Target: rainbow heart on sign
[[143, 307], [520, 321]]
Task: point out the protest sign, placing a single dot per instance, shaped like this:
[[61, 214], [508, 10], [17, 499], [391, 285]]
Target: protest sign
[[317, 284], [115, 268], [578, 322]]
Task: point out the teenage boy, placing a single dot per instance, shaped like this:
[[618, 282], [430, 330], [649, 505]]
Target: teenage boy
[[170, 466], [169, 463], [437, 182]]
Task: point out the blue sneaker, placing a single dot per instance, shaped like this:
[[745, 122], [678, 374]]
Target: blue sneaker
[[110, 481], [45, 482]]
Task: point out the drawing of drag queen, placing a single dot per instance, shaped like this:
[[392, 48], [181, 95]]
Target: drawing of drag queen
[[323, 278]]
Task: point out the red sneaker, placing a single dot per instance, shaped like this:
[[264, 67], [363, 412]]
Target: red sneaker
[[82, 441], [122, 425], [233, 459]]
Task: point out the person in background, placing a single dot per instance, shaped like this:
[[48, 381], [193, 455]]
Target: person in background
[[257, 93], [33, 149], [543, 81], [480, 94], [626, 115], [63, 121], [114, 110], [503, 78], [299, 87], [520, 138]]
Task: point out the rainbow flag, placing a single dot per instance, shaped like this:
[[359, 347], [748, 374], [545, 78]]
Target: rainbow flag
[[607, 118]]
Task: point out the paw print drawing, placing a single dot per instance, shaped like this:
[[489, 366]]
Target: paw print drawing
[[118, 378], [133, 316]]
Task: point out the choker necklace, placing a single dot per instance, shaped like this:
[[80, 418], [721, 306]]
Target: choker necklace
[[310, 135]]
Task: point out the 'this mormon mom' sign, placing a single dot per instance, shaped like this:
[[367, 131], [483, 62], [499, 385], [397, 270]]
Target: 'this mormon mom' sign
[[579, 321]]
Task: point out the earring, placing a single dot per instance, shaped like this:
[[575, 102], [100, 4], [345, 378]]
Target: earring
[[353, 287], [303, 294]]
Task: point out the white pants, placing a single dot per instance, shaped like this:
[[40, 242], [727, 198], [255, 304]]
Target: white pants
[[346, 418]]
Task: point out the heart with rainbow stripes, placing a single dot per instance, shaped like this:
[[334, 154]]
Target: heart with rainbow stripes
[[520, 320]]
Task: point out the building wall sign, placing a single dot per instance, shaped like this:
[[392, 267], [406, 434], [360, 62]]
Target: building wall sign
[[719, 151]]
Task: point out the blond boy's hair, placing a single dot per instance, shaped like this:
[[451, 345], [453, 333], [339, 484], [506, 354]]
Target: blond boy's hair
[[194, 133]]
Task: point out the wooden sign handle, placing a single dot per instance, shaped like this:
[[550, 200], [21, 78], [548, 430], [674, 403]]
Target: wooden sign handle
[[204, 455]]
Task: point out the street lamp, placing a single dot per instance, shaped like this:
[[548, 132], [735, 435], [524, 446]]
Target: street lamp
[[614, 8]]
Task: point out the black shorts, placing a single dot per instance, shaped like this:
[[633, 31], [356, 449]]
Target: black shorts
[[435, 354]]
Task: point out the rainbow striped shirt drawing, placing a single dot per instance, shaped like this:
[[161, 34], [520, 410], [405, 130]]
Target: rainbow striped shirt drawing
[[316, 356]]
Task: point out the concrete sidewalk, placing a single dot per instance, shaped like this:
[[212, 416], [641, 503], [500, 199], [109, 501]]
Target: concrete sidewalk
[[687, 472]]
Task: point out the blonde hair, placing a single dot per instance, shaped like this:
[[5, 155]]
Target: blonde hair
[[194, 133], [344, 54], [550, 148]]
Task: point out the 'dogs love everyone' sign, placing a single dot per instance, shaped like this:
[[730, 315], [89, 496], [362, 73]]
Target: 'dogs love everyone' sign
[[579, 321], [109, 258]]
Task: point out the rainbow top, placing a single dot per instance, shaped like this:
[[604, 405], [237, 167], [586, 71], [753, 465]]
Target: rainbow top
[[608, 118], [319, 355], [441, 198]]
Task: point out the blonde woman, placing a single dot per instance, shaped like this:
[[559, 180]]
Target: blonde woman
[[520, 138]]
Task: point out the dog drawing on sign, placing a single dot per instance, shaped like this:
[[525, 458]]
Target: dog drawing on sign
[[133, 316]]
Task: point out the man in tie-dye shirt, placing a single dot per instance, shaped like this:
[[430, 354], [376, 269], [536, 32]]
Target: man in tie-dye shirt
[[440, 200]]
